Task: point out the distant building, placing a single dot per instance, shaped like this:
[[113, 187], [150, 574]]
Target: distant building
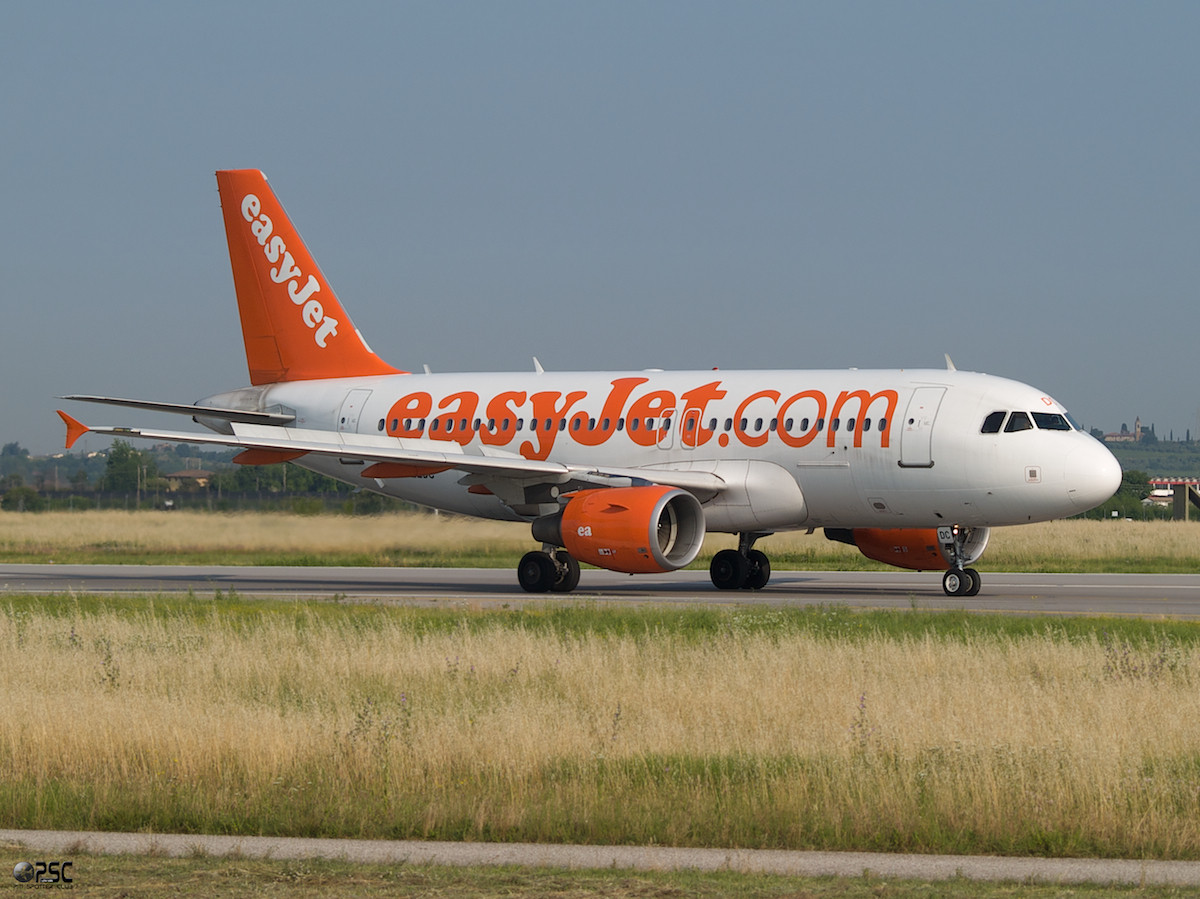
[[1125, 435], [188, 479]]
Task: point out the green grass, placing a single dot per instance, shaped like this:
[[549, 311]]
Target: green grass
[[394, 736], [154, 877], [575, 619]]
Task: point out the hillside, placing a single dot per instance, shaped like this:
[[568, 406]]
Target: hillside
[[1159, 459]]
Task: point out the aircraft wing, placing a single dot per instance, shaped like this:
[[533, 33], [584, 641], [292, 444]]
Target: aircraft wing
[[390, 457]]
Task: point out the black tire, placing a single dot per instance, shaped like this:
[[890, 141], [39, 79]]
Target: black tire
[[976, 581], [536, 572], [760, 570], [956, 582], [729, 570], [566, 578]]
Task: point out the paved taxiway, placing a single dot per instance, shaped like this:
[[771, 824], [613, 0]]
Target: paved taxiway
[[1168, 595]]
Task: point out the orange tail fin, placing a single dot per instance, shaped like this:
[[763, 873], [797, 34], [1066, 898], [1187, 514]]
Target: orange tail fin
[[292, 323]]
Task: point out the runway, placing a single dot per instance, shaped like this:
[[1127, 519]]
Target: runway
[[1140, 595]]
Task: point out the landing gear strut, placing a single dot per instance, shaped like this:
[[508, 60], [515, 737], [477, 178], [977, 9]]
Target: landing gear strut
[[550, 570], [959, 580], [741, 568]]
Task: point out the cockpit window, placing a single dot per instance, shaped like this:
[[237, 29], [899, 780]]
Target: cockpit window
[[991, 424], [1051, 421], [1018, 421]]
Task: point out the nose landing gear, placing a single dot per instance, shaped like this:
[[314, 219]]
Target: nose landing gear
[[959, 580]]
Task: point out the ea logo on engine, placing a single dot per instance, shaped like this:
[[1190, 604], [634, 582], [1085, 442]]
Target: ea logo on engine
[[23, 872], [585, 531]]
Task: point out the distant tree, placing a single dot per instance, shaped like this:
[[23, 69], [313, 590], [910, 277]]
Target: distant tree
[[1149, 437], [13, 449], [79, 480], [126, 468], [22, 499], [1097, 433]]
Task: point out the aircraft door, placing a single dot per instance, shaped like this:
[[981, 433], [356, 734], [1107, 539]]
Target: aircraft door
[[916, 437], [352, 407]]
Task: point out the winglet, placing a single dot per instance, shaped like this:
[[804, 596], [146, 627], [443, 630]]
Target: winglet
[[75, 429]]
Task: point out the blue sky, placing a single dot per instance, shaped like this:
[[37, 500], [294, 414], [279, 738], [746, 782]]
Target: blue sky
[[612, 186]]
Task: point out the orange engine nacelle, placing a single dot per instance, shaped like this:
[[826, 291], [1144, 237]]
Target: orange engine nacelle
[[636, 530], [916, 548]]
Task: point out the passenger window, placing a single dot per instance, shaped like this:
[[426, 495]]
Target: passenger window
[[1051, 421], [1018, 421], [991, 424], [381, 424]]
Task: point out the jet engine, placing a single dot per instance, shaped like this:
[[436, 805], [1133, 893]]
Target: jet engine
[[636, 530], [916, 548]]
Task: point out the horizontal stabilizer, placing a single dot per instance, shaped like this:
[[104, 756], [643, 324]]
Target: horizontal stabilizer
[[258, 418]]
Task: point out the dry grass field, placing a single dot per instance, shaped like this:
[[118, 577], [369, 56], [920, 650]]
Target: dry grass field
[[440, 540], [759, 728]]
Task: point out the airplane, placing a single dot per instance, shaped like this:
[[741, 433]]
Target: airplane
[[629, 470]]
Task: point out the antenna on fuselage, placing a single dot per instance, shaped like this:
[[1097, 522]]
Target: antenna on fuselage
[[537, 366], [950, 363]]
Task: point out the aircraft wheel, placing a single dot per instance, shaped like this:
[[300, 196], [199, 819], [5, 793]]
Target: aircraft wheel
[[956, 582], [567, 576], [729, 570], [536, 572], [976, 581], [760, 570]]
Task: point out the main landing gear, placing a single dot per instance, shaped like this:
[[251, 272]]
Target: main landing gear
[[959, 580], [554, 571], [741, 568]]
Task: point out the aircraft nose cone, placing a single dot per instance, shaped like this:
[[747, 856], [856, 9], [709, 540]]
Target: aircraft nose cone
[[1093, 474]]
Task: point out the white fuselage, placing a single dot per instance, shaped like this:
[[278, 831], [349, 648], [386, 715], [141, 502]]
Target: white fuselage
[[797, 449]]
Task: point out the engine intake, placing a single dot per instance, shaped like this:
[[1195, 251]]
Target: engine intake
[[636, 530]]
